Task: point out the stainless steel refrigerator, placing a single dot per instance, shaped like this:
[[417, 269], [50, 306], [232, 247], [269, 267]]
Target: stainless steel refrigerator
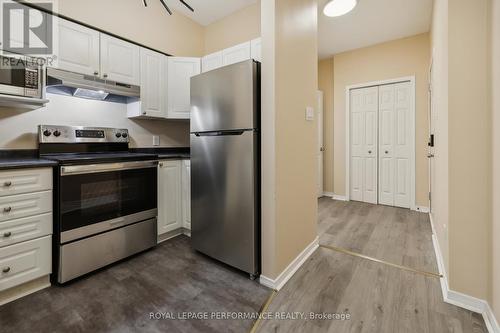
[[225, 165]]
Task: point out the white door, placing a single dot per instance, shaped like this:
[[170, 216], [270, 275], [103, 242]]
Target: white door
[[180, 70], [238, 53], [78, 48], [363, 150], [153, 84], [169, 196], [320, 143], [256, 46], [120, 61], [186, 194], [212, 61]]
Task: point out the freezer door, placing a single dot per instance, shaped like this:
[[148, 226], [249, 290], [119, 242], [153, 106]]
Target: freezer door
[[224, 204], [226, 98]]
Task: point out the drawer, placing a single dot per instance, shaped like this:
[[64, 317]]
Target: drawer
[[25, 261], [20, 230], [25, 181], [23, 205]]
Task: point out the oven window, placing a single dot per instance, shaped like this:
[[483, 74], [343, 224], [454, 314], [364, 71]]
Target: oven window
[[11, 75], [97, 197]]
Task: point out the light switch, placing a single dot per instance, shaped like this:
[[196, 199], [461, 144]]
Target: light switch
[[156, 140], [309, 113]]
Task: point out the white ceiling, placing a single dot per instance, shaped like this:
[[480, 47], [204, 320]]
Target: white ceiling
[[372, 22], [209, 11]]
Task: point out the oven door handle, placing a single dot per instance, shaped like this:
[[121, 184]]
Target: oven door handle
[[106, 167]]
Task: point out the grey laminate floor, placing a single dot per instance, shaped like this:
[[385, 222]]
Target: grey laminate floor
[[169, 278], [378, 297]]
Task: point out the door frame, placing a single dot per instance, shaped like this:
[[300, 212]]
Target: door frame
[[411, 80]]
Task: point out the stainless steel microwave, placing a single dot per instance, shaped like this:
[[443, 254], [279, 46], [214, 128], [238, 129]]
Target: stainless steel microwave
[[20, 76]]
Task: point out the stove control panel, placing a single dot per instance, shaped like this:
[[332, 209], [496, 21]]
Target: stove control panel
[[78, 134]]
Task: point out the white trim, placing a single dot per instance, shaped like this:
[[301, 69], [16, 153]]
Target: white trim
[[422, 209], [462, 300], [287, 274], [339, 197], [410, 79], [328, 194]]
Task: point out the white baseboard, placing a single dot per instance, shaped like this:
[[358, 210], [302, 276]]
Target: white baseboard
[[25, 289], [459, 299], [339, 197], [287, 274], [328, 194], [422, 209]]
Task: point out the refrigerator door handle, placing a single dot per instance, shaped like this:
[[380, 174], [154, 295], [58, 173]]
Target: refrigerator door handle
[[221, 133]]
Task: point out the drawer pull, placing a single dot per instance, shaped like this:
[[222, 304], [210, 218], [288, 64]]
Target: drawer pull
[[7, 234], [6, 269], [7, 209], [7, 184]]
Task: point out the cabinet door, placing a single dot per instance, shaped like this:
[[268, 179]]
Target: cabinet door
[[238, 53], [212, 61], [169, 196], [180, 71], [78, 48], [120, 61], [186, 194], [153, 83], [257, 49]]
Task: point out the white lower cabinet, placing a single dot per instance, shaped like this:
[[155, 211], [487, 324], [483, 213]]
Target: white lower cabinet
[[186, 194], [25, 226], [174, 200], [169, 196]]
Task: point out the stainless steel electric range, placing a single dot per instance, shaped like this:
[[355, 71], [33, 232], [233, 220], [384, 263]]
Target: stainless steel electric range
[[105, 198]]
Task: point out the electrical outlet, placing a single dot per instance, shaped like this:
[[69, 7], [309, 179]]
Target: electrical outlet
[[309, 113], [156, 140]]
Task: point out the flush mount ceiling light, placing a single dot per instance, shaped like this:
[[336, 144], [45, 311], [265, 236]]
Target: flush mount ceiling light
[[336, 8], [168, 9]]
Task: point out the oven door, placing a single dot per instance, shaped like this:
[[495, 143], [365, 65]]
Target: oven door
[[101, 197]]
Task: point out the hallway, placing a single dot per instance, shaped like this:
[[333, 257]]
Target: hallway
[[379, 296]]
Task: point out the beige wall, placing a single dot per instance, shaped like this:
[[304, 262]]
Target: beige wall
[[151, 26], [461, 90], [400, 58], [239, 27], [289, 37], [495, 37], [325, 84], [439, 83]]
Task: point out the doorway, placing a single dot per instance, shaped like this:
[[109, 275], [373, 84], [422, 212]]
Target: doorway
[[381, 142]]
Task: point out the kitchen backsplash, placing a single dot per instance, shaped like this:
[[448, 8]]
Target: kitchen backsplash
[[18, 129]]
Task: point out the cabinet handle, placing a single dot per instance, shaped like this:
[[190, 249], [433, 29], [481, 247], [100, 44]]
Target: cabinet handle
[[7, 234], [7, 209], [96, 73], [7, 184], [6, 269], [105, 76], [161, 165], [369, 151], [387, 152]]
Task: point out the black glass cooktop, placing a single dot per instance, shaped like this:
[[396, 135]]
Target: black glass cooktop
[[91, 158]]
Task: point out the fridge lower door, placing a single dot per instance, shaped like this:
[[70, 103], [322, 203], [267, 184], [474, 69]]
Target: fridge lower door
[[224, 199]]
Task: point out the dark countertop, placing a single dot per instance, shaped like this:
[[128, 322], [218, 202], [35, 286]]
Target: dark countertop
[[25, 158]]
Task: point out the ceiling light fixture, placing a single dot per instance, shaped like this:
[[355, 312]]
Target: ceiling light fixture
[[167, 8], [336, 8]]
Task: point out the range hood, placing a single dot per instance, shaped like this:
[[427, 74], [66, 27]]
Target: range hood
[[90, 87]]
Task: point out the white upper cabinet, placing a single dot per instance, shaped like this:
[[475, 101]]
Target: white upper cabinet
[[120, 60], [153, 84], [256, 47], [78, 48], [180, 70], [238, 53], [212, 61]]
